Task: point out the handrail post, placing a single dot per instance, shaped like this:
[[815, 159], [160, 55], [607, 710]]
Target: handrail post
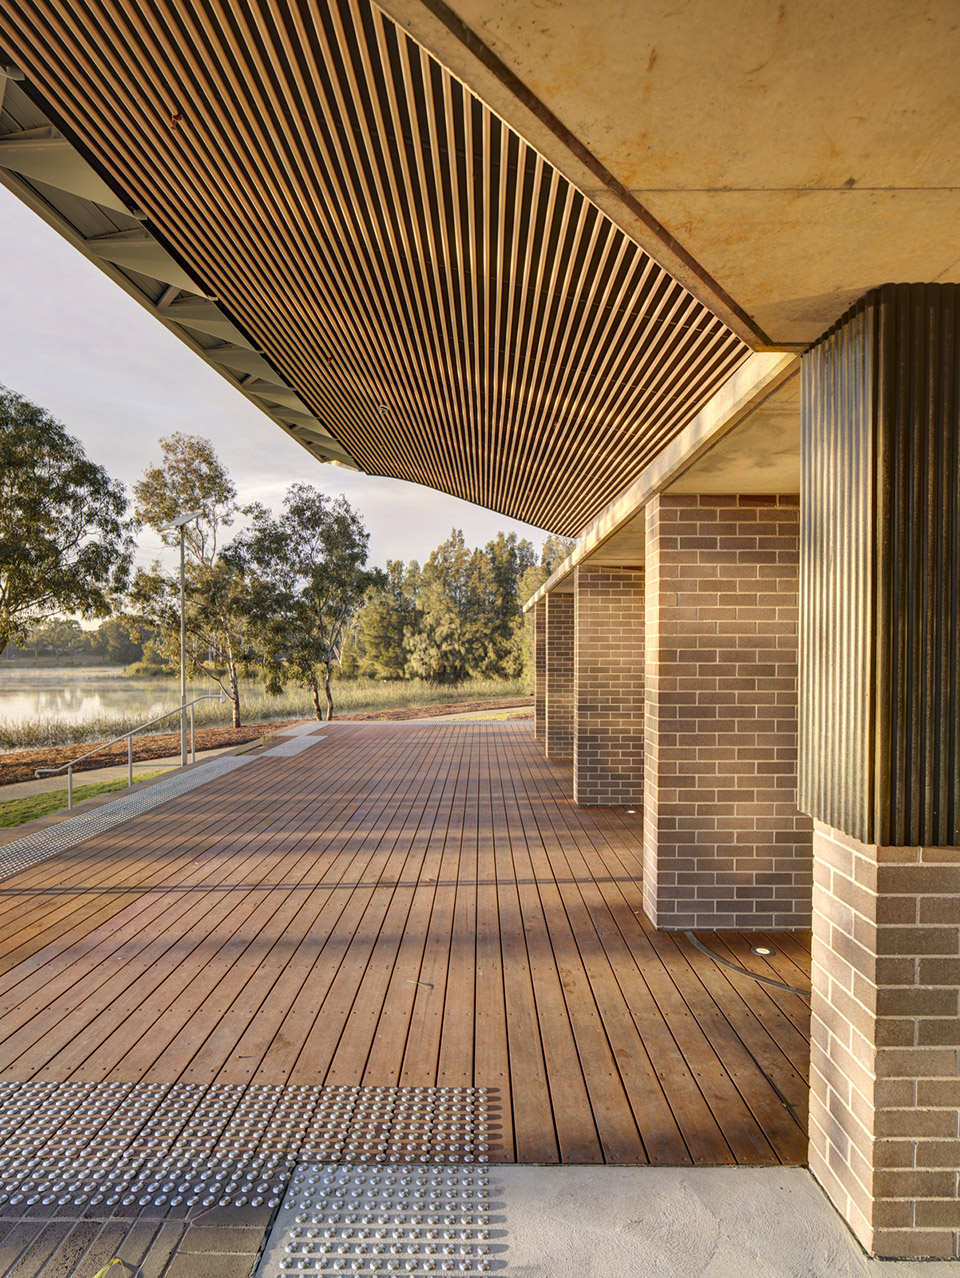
[[183, 649], [128, 737]]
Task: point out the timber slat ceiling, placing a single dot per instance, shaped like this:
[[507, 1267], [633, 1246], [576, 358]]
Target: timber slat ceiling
[[451, 309]]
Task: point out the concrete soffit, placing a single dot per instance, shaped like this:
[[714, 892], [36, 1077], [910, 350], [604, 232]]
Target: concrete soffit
[[43, 169], [436, 26], [741, 395]]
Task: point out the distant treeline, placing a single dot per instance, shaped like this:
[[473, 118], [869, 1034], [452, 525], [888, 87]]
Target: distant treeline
[[290, 598], [456, 617], [115, 641]]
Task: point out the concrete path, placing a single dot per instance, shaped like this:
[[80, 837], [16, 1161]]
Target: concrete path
[[116, 772]]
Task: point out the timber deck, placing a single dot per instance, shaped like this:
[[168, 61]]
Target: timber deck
[[412, 905]]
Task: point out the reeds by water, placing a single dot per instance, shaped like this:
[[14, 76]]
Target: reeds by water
[[256, 707]]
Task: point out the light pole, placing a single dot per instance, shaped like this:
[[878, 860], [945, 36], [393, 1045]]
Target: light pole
[[180, 523]]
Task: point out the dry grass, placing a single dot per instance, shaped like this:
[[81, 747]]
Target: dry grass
[[350, 695]]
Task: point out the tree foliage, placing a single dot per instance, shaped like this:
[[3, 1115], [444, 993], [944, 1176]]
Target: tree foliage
[[383, 623], [64, 543], [222, 640], [117, 640], [307, 572], [190, 476], [455, 618]]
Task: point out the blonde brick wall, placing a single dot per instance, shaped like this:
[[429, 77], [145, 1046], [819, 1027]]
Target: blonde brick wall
[[724, 844], [885, 1053], [539, 669], [608, 686], [559, 676]]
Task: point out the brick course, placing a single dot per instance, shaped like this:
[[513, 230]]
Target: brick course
[[724, 844], [608, 686], [539, 669], [885, 1091], [559, 676]]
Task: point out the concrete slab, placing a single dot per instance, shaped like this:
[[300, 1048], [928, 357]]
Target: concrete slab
[[571, 1222], [656, 1222]]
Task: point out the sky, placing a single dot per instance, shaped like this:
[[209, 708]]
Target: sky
[[76, 344]]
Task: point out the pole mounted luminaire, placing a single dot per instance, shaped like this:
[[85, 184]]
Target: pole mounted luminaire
[[180, 523]]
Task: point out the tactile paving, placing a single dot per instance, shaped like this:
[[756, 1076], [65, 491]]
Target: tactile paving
[[33, 848], [218, 1144], [423, 1220]]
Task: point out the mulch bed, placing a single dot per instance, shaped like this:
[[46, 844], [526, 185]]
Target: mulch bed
[[19, 765], [449, 707]]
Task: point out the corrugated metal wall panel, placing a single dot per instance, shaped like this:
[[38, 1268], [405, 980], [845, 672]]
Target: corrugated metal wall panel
[[836, 603], [918, 414], [880, 576]]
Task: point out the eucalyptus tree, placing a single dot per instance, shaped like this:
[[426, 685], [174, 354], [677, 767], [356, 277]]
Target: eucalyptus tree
[[222, 638], [307, 574], [65, 546]]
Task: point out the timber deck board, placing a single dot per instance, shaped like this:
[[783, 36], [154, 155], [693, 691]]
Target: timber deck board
[[416, 905]]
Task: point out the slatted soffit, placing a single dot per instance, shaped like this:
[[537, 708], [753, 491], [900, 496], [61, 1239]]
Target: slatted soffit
[[427, 293]]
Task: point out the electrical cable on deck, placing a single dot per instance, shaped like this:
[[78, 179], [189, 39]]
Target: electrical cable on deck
[[735, 967]]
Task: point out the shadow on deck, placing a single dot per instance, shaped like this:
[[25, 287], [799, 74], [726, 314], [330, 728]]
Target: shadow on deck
[[416, 906]]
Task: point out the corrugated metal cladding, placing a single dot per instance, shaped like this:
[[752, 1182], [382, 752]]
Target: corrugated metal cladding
[[880, 556], [452, 310]]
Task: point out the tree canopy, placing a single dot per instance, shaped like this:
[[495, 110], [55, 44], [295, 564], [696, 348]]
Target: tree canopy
[[64, 542], [222, 638], [456, 617], [308, 572], [190, 476]]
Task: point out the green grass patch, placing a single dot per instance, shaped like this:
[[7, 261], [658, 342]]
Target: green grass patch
[[17, 811]]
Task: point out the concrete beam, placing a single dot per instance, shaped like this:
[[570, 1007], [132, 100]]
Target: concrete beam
[[741, 395]]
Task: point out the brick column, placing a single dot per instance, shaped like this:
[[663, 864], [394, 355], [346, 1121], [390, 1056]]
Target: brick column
[[608, 686], [880, 762], [540, 669], [885, 1095], [559, 676], [724, 843]]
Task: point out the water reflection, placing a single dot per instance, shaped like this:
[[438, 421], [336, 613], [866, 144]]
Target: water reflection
[[80, 693]]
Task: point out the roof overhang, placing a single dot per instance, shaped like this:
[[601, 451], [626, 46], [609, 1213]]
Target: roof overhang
[[778, 159], [505, 250], [44, 170], [746, 439], [384, 261]]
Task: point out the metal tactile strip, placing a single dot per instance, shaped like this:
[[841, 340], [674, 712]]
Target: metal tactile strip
[[32, 848], [168, 1144], [380, 1220]]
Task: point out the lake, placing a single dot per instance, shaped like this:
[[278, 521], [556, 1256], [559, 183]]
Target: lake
[[28, 693]]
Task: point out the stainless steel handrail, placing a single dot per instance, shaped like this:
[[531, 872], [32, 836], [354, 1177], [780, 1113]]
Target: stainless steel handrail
[[128, 737]]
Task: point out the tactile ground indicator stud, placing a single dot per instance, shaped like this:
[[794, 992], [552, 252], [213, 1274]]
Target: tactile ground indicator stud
[[175, 1145], [424, 1220]]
